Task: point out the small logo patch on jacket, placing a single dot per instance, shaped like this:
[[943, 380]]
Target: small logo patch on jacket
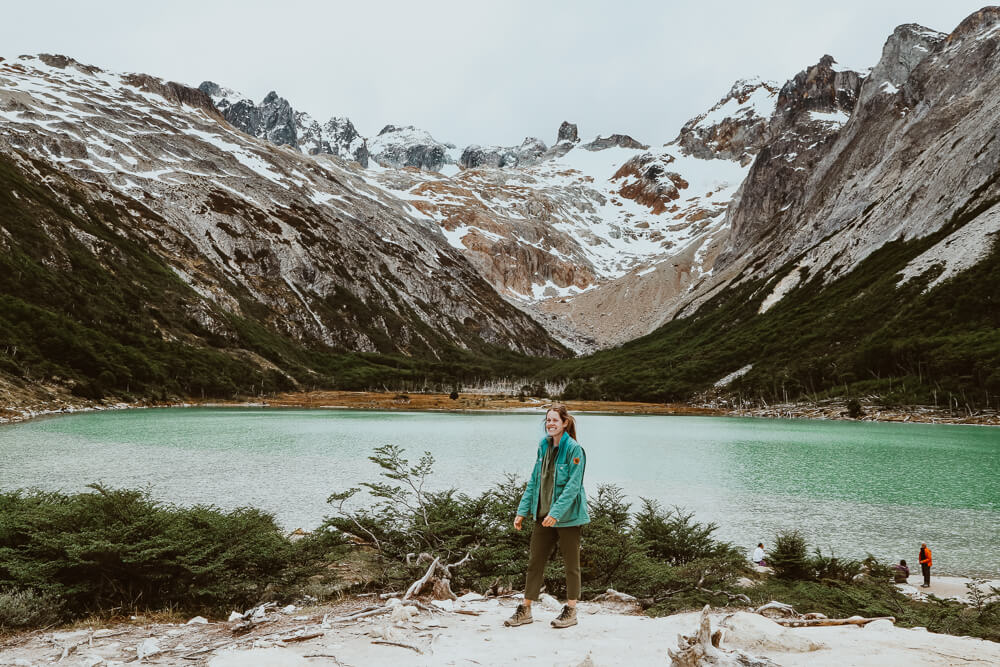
[[576, 461]]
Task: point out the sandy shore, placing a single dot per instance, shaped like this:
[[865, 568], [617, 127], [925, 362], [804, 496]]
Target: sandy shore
[[944, 587], [471, 632], [365, 400]]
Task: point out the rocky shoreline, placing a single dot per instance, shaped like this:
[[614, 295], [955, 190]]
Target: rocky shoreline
[[24, 410]]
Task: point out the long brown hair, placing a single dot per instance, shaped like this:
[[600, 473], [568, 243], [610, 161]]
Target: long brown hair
[[565, 416]]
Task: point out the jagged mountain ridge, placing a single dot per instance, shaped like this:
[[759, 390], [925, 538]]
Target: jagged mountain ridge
[[275, 121], [298, 244], [546, 225], [917, 155], [823, 190]]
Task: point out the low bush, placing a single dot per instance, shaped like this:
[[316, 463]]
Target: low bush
[[654, 554], [27, 608], [120, 549]]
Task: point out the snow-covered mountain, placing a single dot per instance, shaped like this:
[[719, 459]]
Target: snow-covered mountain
[[301, 245], [604, 239], [411, 147], [546, 225], [276, 121]]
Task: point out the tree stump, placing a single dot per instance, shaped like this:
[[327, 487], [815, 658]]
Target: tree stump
[[704, 649]]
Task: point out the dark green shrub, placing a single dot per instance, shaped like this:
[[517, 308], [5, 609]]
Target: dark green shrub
[[789, 557], [831, 567], [117, 548], [854, 410], [673, 537]]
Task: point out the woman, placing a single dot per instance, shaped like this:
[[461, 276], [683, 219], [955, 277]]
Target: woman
[[556, 499]]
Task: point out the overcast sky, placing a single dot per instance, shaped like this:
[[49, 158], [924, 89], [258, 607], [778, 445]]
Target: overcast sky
[[474, 72]]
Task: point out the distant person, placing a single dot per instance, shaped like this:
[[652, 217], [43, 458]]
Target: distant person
[[758, 554], [555, 497], [900, 572], [925, 564]]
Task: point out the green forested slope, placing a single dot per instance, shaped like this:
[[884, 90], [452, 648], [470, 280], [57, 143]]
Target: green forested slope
[[857, 336], [85, 307]]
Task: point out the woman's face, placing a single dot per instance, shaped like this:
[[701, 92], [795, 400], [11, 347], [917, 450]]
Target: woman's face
[[554, 425]]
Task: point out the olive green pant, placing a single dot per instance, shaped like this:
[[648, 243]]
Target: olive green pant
[[542, 541]]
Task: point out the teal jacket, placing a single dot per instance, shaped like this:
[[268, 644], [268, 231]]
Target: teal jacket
[[569, 501]]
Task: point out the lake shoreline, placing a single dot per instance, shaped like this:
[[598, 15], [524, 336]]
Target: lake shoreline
[[476, 402]]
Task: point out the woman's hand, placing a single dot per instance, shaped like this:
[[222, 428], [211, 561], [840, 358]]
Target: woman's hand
[[549, 521], [518, 521]]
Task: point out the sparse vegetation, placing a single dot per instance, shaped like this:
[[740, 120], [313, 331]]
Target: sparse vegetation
[[67, 556]]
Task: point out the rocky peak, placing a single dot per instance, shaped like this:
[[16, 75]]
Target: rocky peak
[[275, 120], [811, 109], [908, 45], [735, 128], [614, 140], [527, 154], [409, 146], [567, 132], [822, 88], [174, 92]]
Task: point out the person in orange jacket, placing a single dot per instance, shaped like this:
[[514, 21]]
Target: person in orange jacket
[[925, 564]]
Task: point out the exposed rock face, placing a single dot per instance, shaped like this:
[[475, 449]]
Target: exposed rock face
[[337, 136], [567, 132], [649, 183], [736, 127], [275, 120], [499, 157], [301, 246], [811, 108], [919, 156], [615, 140], [410, 147]]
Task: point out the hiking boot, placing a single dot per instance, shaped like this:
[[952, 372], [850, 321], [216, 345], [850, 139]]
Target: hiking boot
[[566, 618], [522, 616]]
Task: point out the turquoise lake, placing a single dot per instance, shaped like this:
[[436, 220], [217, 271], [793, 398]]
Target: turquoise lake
[[851, 488]]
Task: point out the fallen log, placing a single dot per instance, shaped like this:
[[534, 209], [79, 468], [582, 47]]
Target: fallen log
[[821, 622], [780, 607]]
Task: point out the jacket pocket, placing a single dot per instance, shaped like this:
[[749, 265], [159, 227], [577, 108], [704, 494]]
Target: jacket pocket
[[562, 474]]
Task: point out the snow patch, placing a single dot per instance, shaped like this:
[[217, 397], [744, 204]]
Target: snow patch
[[837, 117], [732, 376], [784, 286], [959, 251]]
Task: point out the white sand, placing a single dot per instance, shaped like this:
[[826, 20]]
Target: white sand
[[604, 634], [614, 639], [946, 588]]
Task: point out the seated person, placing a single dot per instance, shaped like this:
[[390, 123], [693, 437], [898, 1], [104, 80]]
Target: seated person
[[900, 572]]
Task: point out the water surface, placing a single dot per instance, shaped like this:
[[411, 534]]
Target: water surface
[[852, 488]]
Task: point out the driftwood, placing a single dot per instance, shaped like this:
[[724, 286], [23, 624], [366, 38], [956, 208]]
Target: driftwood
[[370, 611], [703, 649], [780, 607], [820, 622], [301, 638], [399, 644], [797, 620], [437, 578]]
